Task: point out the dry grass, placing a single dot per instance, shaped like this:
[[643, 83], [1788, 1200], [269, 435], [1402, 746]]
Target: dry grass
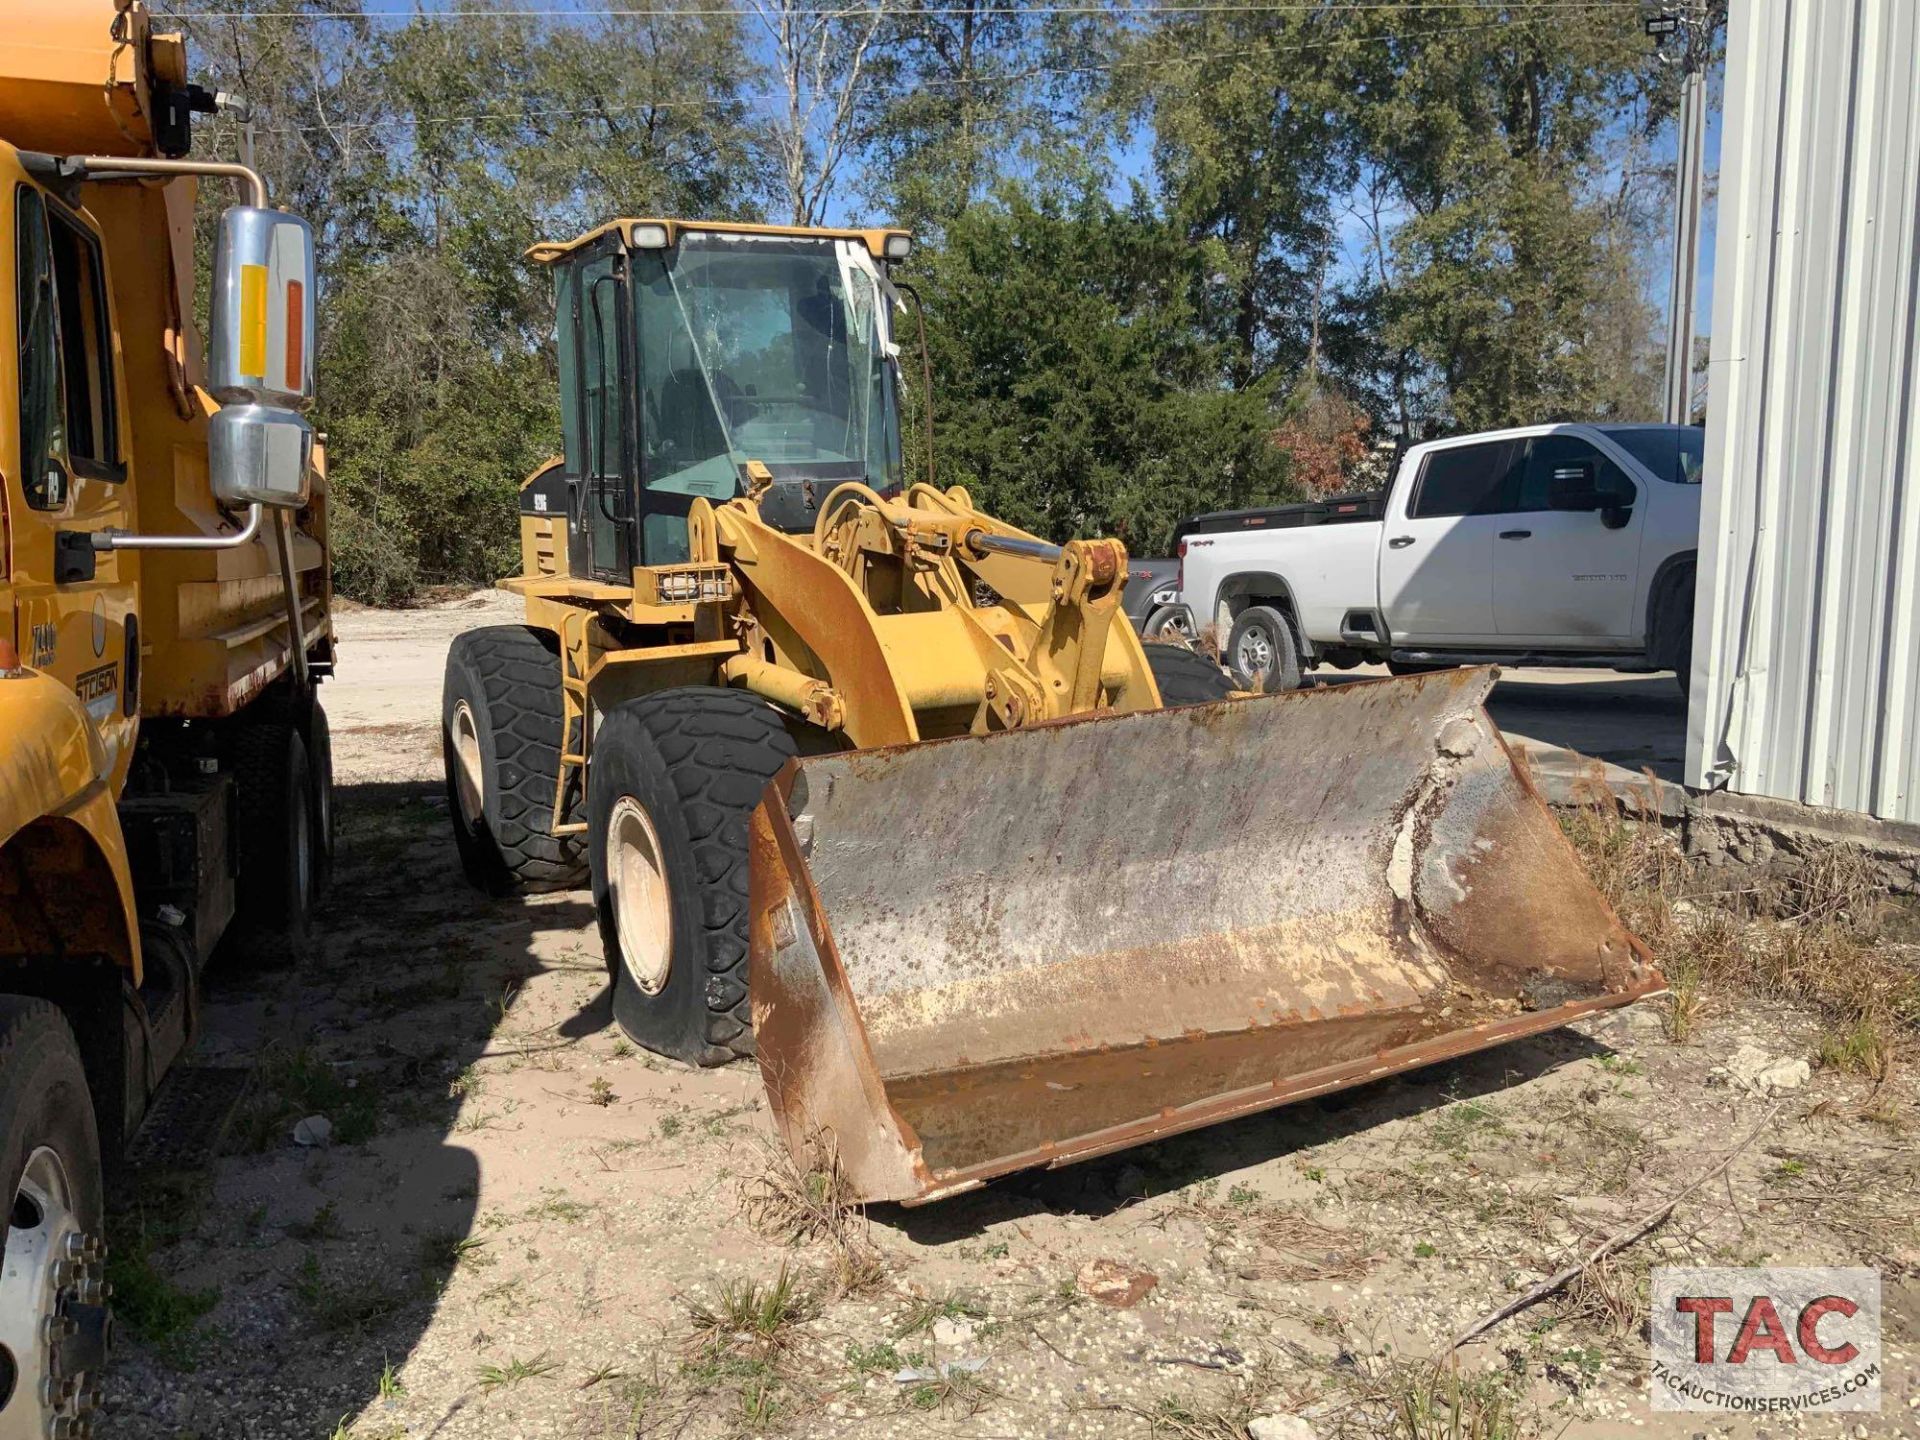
[[1610, 1295], [1297, 1249], [1812, 936], [804, 1207]]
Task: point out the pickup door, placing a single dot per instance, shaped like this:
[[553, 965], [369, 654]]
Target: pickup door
[[1567, 577], [1437, 549]]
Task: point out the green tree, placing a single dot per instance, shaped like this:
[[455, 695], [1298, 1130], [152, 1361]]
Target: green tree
[[1077, 391]]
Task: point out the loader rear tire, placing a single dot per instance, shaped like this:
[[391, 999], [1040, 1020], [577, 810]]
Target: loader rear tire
[[674, 778], [1186, 677], [500, 720]]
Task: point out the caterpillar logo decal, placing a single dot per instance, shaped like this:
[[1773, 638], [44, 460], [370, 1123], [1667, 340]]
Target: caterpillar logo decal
[[98, 690]]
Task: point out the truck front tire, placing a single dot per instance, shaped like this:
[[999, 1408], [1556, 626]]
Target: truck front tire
[[673, 780], [500, 722], [1261, 651], [54, 1326]]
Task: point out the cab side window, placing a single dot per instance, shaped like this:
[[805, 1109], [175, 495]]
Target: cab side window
[[43, 432], [1464, 480]]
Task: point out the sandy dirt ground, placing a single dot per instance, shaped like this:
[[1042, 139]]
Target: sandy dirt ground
[[520, 1226]]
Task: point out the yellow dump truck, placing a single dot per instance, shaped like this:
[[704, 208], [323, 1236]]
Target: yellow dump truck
[[872, 785], [165, 772]]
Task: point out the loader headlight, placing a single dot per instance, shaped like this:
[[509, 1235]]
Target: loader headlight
[[899, 247], [648, 237]]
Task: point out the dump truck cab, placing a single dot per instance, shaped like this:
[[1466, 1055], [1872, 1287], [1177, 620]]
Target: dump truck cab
[[165, 780]]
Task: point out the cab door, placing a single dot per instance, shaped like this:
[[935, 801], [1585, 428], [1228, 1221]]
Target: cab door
[[597, 402], [74, 608], [1566, 576], [1436, 556]]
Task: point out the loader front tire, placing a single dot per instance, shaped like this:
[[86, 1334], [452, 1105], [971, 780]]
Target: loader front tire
[[674, 778], [1186, 677], [500, 721]]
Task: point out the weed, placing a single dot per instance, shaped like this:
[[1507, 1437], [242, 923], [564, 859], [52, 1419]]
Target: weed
[[1789, 1168], [556, 1206], [1189, 1420], [468, 1082], [958, 1392], [622, 1050], [1620, 1064], [147, 1302], [337, 1306], [1431, 1403], [925, 1309], [1315, 1174], [325, 1225], [391, 1386], [1462, 1123], [501, 1377], [671, 1125], [600, 1092], [747, 1309], [1243, 1196], [878, 1358], [295, 1083], [448, 1252], [785, 1203], [1424, 1251]]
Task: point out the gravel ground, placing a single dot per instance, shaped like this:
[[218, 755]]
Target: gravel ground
[[522, 1227]]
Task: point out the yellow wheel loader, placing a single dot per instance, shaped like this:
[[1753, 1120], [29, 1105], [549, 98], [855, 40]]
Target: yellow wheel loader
[[165, 772], [871, 785]]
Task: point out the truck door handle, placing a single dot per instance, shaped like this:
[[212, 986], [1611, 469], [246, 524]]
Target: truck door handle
[[1516, 534], [1399, 542]]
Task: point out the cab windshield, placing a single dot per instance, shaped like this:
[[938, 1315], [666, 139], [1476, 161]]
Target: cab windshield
[[762, 348]]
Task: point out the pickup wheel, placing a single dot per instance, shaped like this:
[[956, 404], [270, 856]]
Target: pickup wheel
[[1261, 651]]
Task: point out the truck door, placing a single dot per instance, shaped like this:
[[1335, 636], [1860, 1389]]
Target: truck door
[[1566, 562], [1436, 554], [74, 610]]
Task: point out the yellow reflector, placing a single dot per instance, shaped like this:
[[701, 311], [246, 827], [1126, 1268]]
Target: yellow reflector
[[253, 320]]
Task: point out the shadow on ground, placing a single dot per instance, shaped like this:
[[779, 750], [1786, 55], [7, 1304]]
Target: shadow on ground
[[335, 1253]]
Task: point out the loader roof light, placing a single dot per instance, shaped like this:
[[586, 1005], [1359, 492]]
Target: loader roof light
[[649, 237], [899, 246]]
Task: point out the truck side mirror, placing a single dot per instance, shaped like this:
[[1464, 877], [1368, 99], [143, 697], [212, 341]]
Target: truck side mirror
[[261, 358]]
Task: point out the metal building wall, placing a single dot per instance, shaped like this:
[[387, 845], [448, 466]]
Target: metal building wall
[[1805, 680]]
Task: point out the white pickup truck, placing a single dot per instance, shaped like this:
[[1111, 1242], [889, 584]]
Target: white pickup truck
[[1549, 545]]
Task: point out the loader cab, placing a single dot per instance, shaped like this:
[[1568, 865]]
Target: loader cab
[[687, 351]]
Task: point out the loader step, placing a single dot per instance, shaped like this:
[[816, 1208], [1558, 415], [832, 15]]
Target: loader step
[[188, 1118]]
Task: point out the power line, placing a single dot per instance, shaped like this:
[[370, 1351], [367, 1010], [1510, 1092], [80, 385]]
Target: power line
[[670, 12]]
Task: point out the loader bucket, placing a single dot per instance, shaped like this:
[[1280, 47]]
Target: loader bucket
[[976, 955]]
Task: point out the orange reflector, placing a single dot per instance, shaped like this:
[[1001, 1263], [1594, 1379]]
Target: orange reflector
[[253, 321], [296, 336]]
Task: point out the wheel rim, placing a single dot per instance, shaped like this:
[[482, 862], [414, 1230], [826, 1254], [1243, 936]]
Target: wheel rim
[[469, 785], [642, 906], [1254, 654], [51, 1308]]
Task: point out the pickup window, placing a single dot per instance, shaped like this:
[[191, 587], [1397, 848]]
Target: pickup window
[[1464, 480], [1547, 454]]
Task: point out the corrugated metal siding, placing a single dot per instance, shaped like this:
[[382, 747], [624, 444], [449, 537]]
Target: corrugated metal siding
[[1806, 670]]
